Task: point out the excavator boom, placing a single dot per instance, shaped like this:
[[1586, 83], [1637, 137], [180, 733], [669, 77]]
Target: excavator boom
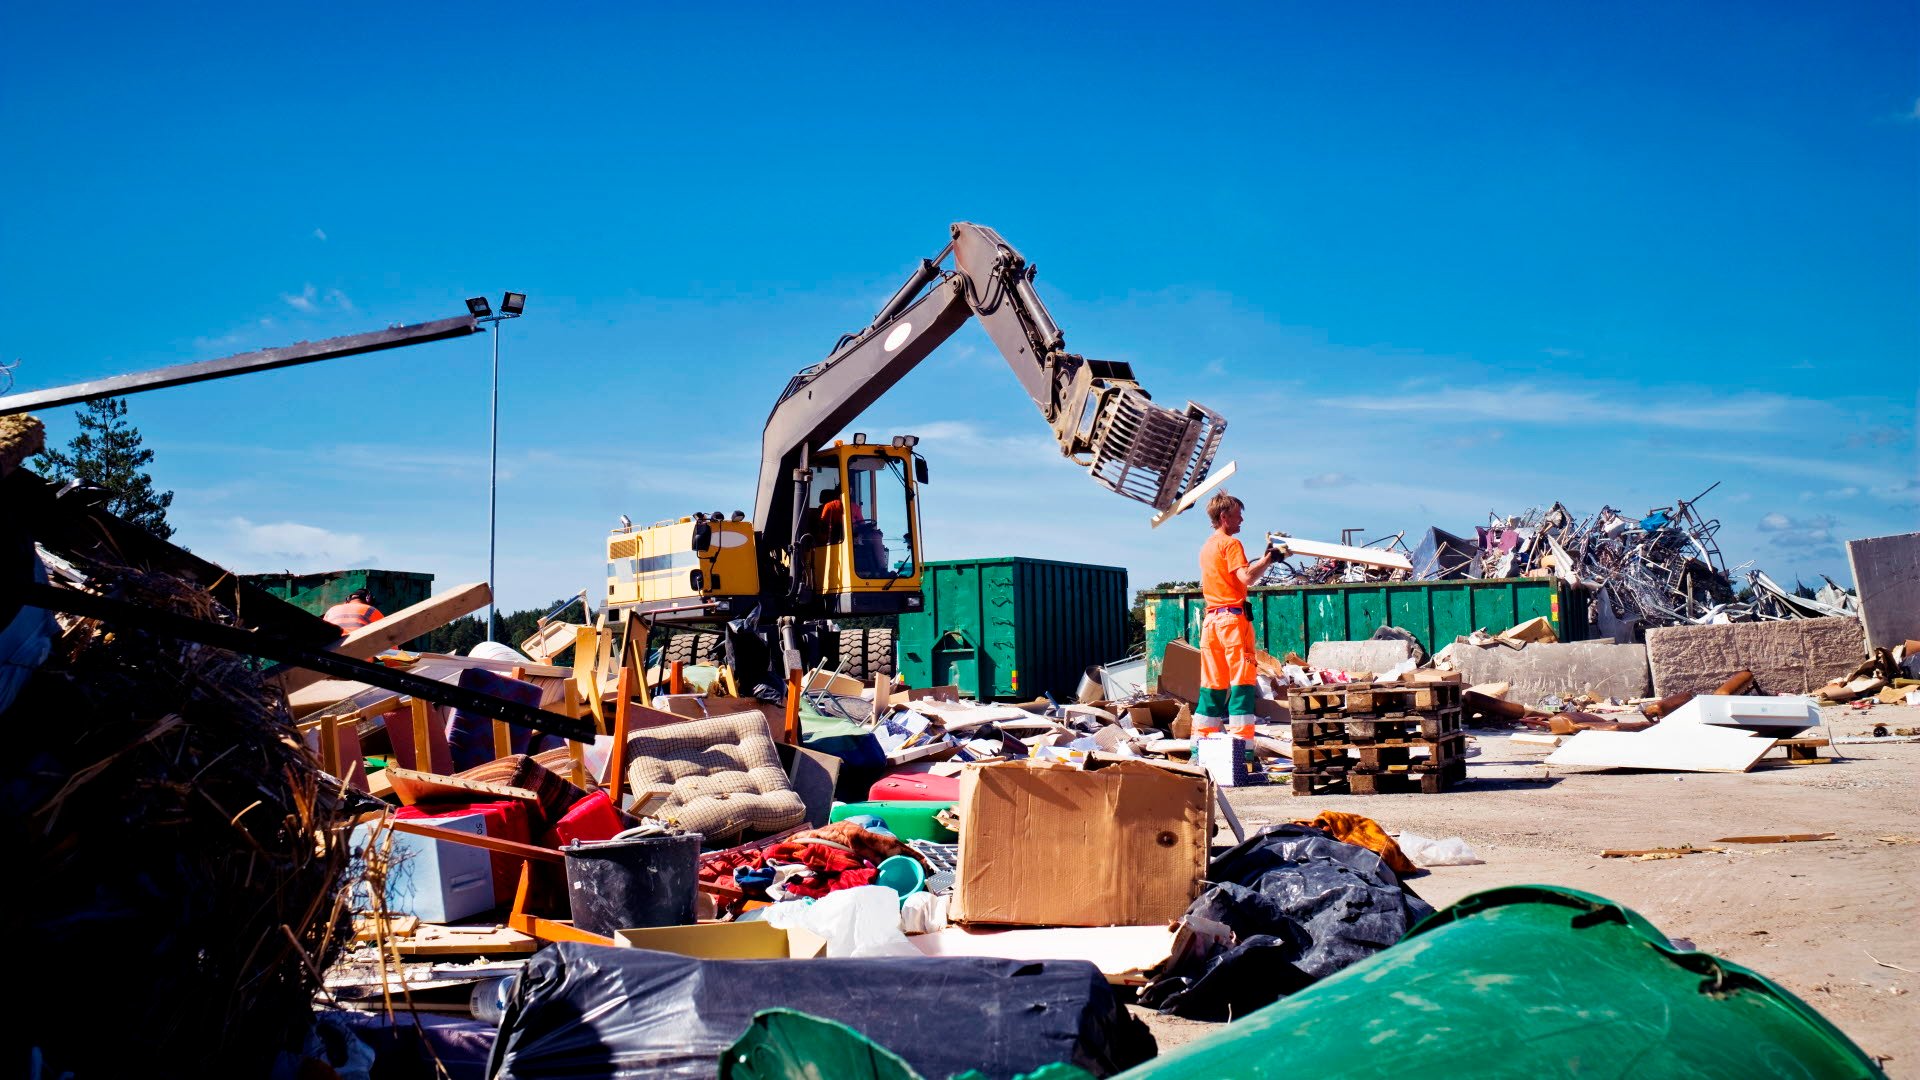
[[1100, 415]]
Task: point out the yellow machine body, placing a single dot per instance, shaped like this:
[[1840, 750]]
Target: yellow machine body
[[862, 547]]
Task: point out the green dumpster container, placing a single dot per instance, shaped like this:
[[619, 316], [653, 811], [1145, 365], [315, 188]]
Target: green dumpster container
[[1528, 982], [1012, 629], [391, 589], [1435, 612]]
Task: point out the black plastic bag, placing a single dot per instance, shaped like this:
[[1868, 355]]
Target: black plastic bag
[[591, 1011], [1301, 906]]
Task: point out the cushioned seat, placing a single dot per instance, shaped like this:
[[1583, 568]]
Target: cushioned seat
[[721, 775]]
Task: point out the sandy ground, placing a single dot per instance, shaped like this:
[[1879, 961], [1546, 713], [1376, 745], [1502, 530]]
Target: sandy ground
[[1806, 915]]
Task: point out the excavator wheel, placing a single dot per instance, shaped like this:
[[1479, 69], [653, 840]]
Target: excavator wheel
[[695, 647], [865, 653]]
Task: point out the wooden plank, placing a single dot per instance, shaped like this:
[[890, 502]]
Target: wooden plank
[[479, 840], [422, 735], [1782, 838], [1657, 853], [434, 940], [330, 745], [401, 626], [413, 787], [617, 758]]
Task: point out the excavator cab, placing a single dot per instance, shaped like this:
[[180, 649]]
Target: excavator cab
[[864, 524]]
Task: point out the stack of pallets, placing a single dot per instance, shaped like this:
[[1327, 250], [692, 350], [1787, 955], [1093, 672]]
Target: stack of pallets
[[1377, 738]]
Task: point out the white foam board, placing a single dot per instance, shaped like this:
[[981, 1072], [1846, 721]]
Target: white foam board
[[1666, 746]]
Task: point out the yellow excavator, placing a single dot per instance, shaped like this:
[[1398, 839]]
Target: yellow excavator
[[835, 524]]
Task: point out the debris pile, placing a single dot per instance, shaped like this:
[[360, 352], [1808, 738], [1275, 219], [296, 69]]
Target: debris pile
[[1663, 568]]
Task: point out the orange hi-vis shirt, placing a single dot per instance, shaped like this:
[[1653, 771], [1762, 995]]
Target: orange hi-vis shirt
[[1220, 556]]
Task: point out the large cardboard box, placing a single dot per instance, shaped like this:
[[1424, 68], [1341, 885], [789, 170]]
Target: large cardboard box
[[1121, 843], [1180, 672]]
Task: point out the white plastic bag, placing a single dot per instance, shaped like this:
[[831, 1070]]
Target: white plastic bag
[[1426, 852], [862, 921], [924, 913]]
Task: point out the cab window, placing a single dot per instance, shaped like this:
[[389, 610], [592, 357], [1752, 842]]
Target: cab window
[[880, 516]]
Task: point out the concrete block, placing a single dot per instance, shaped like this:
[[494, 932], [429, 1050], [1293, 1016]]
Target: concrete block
[[1886, 575], [1793, 657], [1374, 656], [1598, 667]]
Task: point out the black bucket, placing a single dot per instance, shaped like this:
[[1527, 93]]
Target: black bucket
[[626, 884]]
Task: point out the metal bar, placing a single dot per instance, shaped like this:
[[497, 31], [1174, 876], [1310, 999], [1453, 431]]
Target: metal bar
[[274, 647], [305, 352]]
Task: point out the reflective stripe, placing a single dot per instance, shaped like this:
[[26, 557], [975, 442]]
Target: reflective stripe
[[350, 615]]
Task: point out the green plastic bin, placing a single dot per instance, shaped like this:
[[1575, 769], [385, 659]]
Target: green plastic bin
[[1435, 612], [906, 820], [1011, 629], [1528, 982]]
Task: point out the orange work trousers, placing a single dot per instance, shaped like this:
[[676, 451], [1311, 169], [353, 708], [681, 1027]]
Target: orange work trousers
[[1229, 677]]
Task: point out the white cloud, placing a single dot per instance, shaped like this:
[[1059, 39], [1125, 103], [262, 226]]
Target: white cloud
[[285, 545], [1798, 533], [1327, 480], [1216, 366], [320, 235], [303, 301], [339, 299], [1521, 403]]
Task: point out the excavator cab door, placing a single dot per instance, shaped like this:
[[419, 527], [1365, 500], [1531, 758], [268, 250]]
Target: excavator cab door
[[865, 524]]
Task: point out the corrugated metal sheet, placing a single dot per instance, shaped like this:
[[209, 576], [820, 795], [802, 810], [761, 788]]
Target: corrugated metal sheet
[[1013, 628]]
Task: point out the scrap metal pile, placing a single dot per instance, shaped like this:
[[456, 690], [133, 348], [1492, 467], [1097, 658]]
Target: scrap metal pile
[[1663, 568]]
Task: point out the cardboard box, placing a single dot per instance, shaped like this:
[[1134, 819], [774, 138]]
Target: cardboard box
[[1117, 844], [754, 940], [1180, 672]]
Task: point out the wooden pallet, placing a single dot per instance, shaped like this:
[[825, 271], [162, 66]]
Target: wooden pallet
[[1378, 729], [1373, 698], [1801, 751], [1353, 782], [1380, 757]]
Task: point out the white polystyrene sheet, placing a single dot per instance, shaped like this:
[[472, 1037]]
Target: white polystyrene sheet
[[1115, 950], [1775, 714], [1666, 746]]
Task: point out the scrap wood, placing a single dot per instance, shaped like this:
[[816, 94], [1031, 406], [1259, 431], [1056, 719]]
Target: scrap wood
[[413, 787], [1649, 854], [1884, 964], [401, 626], [1782, 838], [1897, 838]]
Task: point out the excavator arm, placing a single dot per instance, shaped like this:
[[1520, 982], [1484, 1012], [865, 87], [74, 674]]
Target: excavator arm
[[1100, 416]]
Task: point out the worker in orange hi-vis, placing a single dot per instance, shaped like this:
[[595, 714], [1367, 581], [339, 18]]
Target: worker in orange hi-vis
[[357, 612], [1228, 673]]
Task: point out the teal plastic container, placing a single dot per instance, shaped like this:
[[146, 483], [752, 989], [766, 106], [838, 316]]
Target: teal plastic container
[[1011, 629], [1528, 982], [1435, 612], [906, 820]]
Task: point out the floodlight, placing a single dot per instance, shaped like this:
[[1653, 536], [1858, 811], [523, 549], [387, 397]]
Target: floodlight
[[477, 307], [513, 303]]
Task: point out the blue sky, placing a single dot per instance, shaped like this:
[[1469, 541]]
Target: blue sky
[[1431, 262]]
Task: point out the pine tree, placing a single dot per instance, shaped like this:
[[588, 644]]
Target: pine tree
[[107, 454]]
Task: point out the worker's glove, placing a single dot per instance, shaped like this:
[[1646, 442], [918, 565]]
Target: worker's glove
[[1278, 549]]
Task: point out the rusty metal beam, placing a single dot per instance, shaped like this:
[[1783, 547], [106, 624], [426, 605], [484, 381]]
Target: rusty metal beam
[[304, 352]]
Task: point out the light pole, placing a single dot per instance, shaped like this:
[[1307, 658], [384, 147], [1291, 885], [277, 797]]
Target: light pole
[[511, 305]]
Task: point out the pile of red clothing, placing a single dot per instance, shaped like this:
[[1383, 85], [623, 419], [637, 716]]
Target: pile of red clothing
[[808, 864]]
